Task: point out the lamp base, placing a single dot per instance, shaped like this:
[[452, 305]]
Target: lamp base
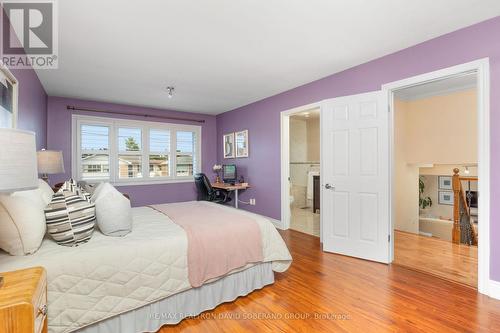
[[45, 177]]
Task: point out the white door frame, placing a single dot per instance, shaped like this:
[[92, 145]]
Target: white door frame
[[285, 159], [481, 67]]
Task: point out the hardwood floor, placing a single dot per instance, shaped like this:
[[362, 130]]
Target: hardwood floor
[[438, 257], [325, 292]]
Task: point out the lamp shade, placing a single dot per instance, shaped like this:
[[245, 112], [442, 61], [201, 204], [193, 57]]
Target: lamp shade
[[18, 167], [50, 162]]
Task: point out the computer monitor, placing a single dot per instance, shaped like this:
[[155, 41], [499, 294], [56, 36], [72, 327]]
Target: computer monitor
[[229, 173]]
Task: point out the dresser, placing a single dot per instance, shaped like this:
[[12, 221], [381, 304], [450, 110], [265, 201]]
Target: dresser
[[23, 301]]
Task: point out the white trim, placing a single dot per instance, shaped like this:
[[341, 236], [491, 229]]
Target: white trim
[[481, 67], [145, 126], [439, 92], [285, 159], [494, 289]]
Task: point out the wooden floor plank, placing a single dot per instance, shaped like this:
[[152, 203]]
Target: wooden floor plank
[[436, 256], [323, 292]]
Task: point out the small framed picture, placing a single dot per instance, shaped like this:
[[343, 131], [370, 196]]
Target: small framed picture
[[241, 143], [445, 198], [228, 142], [445, 183]]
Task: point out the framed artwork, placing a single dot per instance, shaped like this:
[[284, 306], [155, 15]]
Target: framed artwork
[[228, 142], [8, 99], [445, 198], [241, 143], [445, 183]]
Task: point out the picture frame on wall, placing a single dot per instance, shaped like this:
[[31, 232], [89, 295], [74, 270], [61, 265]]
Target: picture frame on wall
[[241, 139], [445, 183], [445, 198], [228, 144]]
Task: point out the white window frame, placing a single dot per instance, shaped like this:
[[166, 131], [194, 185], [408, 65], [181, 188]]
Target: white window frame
[[15, 92], [145, 126]]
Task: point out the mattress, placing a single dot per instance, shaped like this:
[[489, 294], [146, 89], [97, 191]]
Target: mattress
[[111, 275]]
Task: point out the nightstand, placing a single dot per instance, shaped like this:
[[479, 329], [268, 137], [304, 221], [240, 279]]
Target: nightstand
[[23, 301]]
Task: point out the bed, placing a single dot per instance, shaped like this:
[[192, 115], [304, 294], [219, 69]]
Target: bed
[[139, 282]]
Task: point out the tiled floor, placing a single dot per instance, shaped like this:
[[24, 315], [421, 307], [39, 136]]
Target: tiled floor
[[304, 220]]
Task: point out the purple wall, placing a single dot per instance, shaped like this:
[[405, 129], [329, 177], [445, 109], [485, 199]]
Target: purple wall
[[32, 107], [59, 138], [262, 118]]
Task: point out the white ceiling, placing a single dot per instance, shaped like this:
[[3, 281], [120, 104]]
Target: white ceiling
[[222, 54], [439, 87]]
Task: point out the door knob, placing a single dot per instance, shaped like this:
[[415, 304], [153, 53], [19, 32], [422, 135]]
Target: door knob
[[329, 187]]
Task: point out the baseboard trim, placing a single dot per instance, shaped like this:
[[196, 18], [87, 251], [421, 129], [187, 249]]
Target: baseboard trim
[[277, 223], [494, 289]]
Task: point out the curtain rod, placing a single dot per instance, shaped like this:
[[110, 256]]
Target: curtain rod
[[76, 108]]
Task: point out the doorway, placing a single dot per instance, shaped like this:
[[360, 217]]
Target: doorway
[[301, 166], [357, 169], [435, 162], [300, 169], [480, 70], [305, 172]]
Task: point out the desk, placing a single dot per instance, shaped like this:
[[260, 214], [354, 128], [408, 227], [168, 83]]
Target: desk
[[228, 187]]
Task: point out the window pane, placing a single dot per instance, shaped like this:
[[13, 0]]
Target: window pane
[[129, 139], [159, 141], [158, 166], [185, 142], [95, 166], [185, 151], [95, 137], [5, 103], [184, 164], [129, 166]]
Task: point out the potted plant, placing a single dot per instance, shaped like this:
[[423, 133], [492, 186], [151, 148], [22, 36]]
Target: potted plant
[[423, 202]]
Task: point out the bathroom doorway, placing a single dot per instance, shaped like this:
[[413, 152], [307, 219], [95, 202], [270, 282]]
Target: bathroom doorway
[[304, 179]]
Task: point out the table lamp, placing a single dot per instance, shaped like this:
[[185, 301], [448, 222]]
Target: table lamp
[[50, 162], [18, 167]]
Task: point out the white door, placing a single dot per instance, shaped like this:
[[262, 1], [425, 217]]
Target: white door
[[355, 176]]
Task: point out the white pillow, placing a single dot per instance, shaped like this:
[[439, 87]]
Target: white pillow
[[97, 190], [113, 211], [22, 222], [34, 196], [46, 191]]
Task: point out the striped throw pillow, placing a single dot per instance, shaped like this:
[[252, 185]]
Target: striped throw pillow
[[70, 216]]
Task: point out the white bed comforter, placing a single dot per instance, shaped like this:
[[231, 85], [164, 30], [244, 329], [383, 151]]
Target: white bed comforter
[[111, 275]]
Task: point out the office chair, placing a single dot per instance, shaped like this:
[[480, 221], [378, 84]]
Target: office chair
[[207, 193]]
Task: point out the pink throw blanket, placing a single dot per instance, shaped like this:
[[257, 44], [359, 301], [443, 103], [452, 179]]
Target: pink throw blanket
[[218, 240]]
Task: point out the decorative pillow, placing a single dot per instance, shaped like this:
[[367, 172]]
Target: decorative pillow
[[97, 189], [46, 191], [22, 223], [113, 211], [70, 216]]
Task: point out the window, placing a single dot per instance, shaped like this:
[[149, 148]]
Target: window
[[8, 99], [129, 152], [134, 152], [159, 153], [94, 152], [184, 157]]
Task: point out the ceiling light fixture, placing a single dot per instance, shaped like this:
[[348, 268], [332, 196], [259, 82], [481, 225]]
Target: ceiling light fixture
[[170, 91]]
